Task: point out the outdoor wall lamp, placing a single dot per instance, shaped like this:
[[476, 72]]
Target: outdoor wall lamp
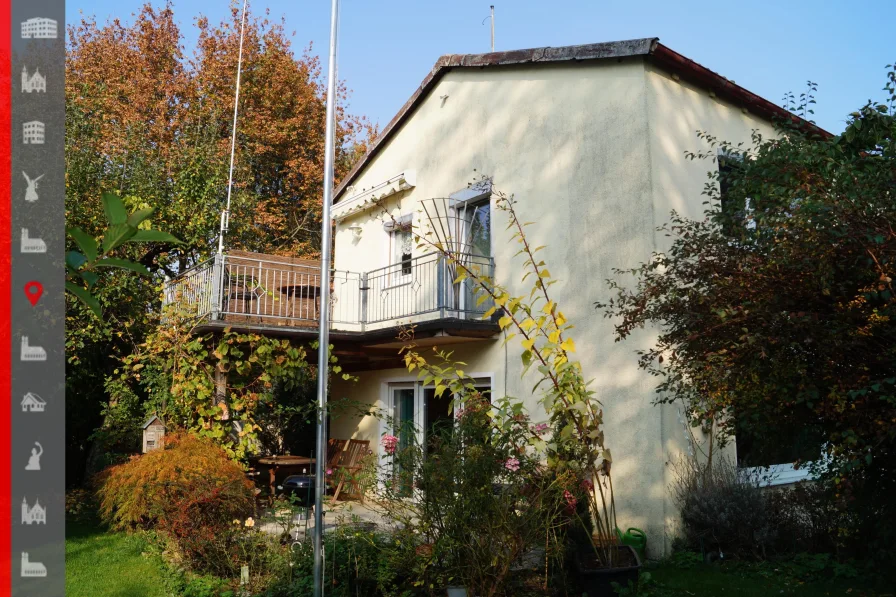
[[356, 232]]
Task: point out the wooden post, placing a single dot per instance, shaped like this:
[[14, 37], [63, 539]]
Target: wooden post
[[220, 398]]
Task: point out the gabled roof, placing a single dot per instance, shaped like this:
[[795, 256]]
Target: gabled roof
[[650, 48], [33, 398], [150, 420]]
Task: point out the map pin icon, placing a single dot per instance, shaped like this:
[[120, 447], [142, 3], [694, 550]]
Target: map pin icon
[[33, 291]]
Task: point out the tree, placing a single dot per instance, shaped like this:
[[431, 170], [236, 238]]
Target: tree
[[776, 314], [152, 125]]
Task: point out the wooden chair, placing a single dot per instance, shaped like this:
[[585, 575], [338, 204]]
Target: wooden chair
[[335, 450], [350, 466]]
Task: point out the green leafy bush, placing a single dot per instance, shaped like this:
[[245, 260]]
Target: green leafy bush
[[472, 503]]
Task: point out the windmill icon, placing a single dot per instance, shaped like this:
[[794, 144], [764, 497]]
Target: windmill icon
[[31, 191]]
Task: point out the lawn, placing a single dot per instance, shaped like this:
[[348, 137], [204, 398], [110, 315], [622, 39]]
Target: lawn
[[750, 581], [100, 563]]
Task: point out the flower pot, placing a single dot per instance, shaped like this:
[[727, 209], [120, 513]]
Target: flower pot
[[596, 581], [457, 591]]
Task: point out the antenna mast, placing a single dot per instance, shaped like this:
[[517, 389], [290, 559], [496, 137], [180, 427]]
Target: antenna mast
[[225, 215], [493, 26], [491, 18]]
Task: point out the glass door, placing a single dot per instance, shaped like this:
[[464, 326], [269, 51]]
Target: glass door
[[404, 414], [478, 246]]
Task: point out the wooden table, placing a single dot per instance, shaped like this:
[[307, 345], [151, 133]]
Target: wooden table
[[285, 463]]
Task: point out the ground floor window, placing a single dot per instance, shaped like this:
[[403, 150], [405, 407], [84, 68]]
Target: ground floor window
[[775, 455]]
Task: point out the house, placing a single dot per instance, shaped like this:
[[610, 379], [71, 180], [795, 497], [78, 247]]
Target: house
[[153, 433], [33, 403], [591, 141]]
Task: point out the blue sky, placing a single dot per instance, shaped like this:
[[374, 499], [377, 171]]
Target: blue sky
[[768, 46]]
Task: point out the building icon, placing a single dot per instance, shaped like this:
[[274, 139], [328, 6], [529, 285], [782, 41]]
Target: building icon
[[32, 569], [33, 132], [39, 28], [32, 245], [33, 403], [32, 353], [36, 514], [36, 82]]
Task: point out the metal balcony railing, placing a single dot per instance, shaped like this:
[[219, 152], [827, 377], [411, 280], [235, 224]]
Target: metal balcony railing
[[245, 289]]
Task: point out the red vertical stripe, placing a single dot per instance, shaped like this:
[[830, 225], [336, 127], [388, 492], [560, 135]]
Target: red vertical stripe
[[5, 298]]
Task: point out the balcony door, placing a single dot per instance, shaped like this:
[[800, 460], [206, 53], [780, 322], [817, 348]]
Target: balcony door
[[477, 216]]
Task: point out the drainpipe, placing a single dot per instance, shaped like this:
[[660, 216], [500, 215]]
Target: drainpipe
[[364, 288]]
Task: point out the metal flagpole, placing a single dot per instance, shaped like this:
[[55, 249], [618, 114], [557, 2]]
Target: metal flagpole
[[323, 353], [225, 215]]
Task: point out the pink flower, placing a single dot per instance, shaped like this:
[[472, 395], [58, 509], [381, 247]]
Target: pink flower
[[571, 501], [587, 485], [329, 471], [541, 428], [390, 443], [512, 464]]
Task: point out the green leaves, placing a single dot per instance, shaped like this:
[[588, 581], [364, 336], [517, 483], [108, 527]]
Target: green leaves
[[85, 242], [121, 229], [145, 236], [122, 264], [85, 297], [116, 214]]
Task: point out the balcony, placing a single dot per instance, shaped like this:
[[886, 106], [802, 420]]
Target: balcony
[[260, 292]]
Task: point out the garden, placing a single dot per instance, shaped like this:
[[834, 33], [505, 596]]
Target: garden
[[774, 312]]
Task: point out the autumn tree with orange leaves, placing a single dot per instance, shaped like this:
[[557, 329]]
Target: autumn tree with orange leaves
[[151, 123]]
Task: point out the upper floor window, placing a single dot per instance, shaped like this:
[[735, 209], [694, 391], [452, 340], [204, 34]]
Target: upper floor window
[[736, 210], [402, 246]]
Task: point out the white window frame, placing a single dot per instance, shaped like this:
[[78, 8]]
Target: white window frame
[[396, 277], [781, 474], [388, 404]]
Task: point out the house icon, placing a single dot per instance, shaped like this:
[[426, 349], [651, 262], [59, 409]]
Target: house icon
[[33, 403]]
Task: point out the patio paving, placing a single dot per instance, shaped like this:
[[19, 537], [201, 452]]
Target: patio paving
[[343, 513]]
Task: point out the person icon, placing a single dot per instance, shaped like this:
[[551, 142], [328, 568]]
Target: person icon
[[34, 459]]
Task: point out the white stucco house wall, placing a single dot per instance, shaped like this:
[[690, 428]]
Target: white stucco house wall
[[590, 140]]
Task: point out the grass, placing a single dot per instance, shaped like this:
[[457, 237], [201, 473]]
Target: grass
[[101, 563], [671, 579]]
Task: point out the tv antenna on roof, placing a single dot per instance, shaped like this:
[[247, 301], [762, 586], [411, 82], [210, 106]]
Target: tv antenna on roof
[[491, 18]]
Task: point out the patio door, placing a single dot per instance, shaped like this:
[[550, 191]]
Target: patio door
[[419, 415], [405, 412]]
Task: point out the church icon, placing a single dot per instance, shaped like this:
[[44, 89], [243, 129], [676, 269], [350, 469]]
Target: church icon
[[32, 353], [35, 514], [35, 82], [33, 403], [32, 569], [32, 245]]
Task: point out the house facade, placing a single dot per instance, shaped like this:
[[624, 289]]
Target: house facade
[[590, 141]]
